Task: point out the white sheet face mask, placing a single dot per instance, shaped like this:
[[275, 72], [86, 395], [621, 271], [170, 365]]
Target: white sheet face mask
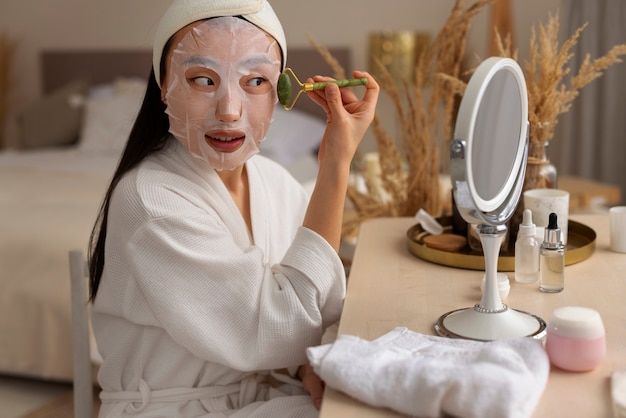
[[221, 90]]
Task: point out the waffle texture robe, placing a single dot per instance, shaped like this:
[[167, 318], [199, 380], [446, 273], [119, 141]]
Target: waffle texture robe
[[193, 311]]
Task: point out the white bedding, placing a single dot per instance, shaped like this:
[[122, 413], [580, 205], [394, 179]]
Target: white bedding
[[64, 160], [46, 210]]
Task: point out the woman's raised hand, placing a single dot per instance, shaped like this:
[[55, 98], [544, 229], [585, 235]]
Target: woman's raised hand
[[348, 117]]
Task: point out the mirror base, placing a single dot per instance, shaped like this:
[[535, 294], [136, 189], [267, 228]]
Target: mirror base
[[474, 324]]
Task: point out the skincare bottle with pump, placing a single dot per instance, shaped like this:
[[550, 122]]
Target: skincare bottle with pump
[[552, 259], [526, 251]]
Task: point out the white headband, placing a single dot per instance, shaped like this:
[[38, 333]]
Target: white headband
[[183, 12]]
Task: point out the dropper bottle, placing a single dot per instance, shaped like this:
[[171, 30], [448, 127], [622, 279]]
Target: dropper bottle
[[552, 259], [526, 251]]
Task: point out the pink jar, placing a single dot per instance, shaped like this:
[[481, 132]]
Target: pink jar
[[575, 339]]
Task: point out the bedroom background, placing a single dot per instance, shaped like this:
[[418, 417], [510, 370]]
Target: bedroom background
[[37, 25]]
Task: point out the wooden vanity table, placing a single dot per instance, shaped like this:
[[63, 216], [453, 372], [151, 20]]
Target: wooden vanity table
[[390, 287]]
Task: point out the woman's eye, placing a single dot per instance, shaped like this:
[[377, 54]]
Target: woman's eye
[[203, 81], [256, 82]]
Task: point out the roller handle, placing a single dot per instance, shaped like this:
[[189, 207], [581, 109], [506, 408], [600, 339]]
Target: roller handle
[[321, 85]]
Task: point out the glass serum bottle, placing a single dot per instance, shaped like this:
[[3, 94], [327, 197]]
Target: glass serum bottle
[[552, 259], [527, 251]]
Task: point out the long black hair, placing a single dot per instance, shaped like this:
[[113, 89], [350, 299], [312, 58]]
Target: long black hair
[[148, 135]]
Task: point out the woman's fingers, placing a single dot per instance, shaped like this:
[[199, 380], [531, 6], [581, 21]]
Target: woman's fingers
[[372, 89], [347, 116], [315, 387]]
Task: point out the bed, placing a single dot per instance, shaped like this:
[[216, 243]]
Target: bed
[[53, 184]]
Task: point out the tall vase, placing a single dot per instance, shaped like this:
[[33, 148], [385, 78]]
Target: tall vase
[[540, 173]]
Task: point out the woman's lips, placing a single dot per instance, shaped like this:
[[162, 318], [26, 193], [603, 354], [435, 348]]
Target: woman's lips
[[225, 141]]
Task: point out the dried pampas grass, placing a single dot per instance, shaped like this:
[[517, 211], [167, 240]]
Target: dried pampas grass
[[425, 107], [549, 93]]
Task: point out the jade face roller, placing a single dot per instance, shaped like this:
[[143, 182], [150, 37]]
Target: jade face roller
[[285, 91]]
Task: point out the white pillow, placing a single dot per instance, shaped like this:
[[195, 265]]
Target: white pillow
[[109, 115], [292, 135]]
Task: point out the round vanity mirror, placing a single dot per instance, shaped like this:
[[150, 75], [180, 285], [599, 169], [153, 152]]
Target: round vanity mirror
[[487, 166], [488, 154]]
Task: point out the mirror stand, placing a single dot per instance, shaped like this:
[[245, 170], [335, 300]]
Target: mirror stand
[[487, 165], [490, 319]]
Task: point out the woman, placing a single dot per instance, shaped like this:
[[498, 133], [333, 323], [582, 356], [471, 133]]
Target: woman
[[208, 266]]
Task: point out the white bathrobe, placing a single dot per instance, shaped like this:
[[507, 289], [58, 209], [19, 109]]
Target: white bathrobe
[[192, 311]]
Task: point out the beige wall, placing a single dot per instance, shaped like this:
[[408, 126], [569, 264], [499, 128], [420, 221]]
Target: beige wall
[[58, 24]]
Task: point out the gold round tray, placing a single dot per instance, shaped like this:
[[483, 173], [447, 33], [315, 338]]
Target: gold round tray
[[581, 242]]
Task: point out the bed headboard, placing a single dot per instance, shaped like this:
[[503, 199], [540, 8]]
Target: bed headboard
[[97, 67], [60, 67]]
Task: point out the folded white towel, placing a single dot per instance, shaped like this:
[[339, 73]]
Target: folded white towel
[[428, 376]]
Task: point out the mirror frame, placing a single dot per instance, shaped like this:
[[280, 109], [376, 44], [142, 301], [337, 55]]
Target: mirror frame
[[474, 209]]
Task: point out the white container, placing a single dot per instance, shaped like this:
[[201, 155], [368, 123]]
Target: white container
[[542, 202], [575, 339], [617, 218]]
